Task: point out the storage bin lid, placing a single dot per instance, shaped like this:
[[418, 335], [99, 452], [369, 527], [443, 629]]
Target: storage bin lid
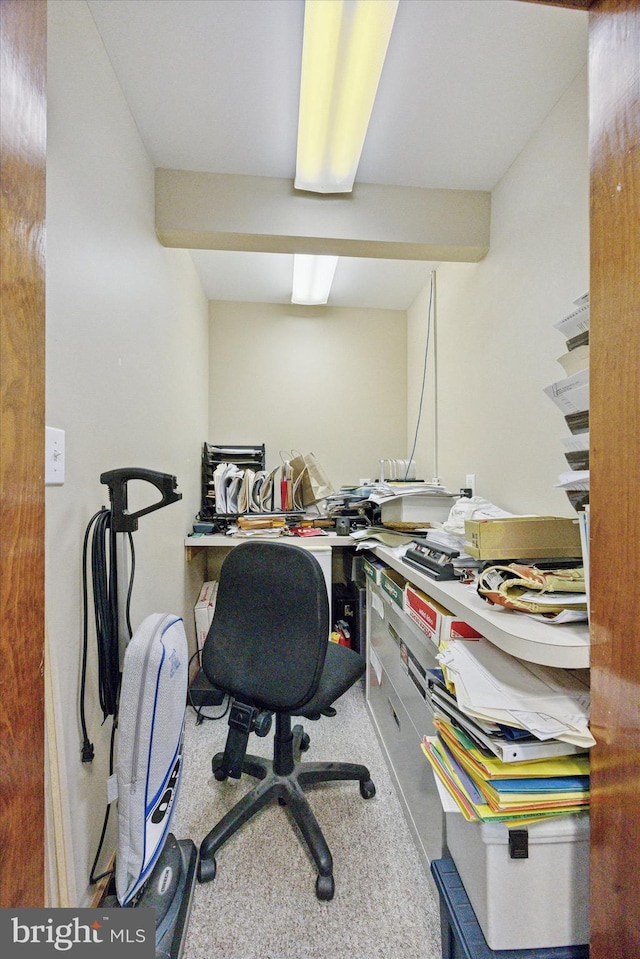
[[573, 828]]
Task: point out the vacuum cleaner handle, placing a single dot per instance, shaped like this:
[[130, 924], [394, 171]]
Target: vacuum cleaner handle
[[122, 521]]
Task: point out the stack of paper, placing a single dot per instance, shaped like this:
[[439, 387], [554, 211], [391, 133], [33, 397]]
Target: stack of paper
[[227, 480], [571, 394], [247, 491], [510, 744], [576, 450], [484, 788], [512, 736], [491, 685], [576, 322], [384, 492], [575, 360]]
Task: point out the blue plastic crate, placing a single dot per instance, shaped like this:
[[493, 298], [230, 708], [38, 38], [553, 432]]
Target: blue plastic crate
[[462, 936]]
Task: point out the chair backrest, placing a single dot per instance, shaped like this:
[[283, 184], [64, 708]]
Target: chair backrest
[[268, 639]]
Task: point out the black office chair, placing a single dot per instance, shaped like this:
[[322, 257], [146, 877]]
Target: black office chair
[[268, 648]]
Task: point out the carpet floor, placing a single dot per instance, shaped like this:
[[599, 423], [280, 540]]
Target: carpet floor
[[262, 903]]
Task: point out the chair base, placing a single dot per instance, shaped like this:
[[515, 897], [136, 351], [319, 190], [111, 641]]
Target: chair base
[[283, 779]]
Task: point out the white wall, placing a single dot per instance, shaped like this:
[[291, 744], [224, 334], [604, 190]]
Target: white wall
[[497, 348], [127, 377], [326, 380]]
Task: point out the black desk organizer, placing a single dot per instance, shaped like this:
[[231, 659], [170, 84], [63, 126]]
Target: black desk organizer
[[245, 457], [462, 936]]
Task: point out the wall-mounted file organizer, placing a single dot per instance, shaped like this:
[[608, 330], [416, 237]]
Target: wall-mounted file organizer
[[571, 396]]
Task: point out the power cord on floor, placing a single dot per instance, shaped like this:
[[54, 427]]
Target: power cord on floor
[[200, 716]]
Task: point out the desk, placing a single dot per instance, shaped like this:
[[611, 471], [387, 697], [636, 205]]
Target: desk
[[566, 647], [330, 550]]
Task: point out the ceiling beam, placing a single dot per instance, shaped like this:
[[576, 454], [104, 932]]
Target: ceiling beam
[[213, 211]]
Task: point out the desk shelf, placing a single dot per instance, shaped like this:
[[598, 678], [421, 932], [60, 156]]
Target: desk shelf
[[193, 544], [536, 642]]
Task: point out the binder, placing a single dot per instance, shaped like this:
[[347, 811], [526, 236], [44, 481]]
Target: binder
[[506, 750], [490, 767]]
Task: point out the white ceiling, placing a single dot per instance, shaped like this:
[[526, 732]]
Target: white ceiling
[[213, 86]]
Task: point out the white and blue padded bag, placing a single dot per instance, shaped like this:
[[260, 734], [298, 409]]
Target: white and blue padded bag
[[153, 698]]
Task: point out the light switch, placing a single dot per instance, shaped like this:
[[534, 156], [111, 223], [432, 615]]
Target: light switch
[[53, 456]]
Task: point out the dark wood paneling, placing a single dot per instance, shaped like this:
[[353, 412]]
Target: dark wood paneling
[[22, 211], [614, 128]]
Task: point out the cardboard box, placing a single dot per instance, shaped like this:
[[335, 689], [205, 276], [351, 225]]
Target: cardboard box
[[203, 611], [435, 620], [418, 508], [538, 902], [522, 537], [393, 584]]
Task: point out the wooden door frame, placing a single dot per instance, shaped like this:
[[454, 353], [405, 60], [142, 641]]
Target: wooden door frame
[[614, 154], [22, 376], [614, 160]]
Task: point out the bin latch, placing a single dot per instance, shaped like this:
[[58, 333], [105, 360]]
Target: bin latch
[[518, 844]]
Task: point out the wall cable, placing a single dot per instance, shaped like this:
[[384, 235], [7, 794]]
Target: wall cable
[[430, 312]]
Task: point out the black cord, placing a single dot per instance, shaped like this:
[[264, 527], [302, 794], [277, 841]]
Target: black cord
[[200, 716], [104, 578], [424, 379], [104, 583], [105, 602], [132, 554], [109, 872], [87, 745]]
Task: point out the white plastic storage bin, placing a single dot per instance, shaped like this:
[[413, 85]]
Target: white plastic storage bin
[[537, 902]]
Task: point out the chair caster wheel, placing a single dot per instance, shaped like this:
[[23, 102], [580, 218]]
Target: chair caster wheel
[[325, 888], [305, 742], [206, 869], [217, 767], [367, 789]]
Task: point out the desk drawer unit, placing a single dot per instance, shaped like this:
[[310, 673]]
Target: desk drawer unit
[[398, 655]]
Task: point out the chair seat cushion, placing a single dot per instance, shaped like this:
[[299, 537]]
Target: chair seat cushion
[[342, 668]]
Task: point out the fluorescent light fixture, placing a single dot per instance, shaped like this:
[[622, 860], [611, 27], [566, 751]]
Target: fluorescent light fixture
[[345, 43], [312, 278]]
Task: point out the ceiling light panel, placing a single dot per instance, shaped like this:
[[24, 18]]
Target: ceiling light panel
[[345, 43], [312, 278]]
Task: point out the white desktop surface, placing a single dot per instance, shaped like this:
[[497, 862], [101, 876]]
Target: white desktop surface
[[307, 542]]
